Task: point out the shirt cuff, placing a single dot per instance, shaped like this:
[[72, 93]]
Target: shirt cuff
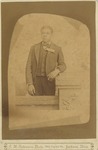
[[28, 84]]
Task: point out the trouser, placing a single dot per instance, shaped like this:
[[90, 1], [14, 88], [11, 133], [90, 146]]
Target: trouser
[[43, 86]]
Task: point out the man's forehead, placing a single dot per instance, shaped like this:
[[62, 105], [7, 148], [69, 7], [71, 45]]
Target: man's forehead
[[46, 29]]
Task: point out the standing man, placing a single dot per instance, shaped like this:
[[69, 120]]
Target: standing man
[[44, 64]]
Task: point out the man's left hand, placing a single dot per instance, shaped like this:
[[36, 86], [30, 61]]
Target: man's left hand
[[52, 75]]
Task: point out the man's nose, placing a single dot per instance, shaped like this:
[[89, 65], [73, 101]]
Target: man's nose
[[45, 35]]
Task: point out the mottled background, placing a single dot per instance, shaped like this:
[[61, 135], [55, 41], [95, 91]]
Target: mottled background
[[72, 35]]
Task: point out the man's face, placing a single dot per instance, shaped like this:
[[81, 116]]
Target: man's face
[[46, 34]]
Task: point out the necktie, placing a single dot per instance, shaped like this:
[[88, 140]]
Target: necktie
[[46, 46]]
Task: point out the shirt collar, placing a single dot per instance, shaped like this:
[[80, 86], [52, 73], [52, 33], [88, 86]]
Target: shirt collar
[[48, 44]]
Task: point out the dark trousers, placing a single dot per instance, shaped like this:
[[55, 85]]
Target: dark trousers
[[43, 86]]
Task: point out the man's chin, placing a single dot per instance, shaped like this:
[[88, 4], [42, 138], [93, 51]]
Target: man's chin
[[45, 41]]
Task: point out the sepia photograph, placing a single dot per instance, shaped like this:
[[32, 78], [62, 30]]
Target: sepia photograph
[[49, 66], [46, 58]]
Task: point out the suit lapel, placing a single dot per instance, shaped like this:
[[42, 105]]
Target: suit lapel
[[37, 50]]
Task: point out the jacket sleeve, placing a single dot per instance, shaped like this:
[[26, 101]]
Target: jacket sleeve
[[61, 64], [29, 79]]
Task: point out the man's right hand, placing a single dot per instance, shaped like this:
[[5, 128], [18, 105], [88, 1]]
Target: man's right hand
[[31, 89]]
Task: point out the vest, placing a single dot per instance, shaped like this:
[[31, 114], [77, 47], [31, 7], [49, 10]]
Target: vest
[[41, 67]]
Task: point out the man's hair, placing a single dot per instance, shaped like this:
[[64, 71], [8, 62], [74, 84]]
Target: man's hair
[[47, 27]]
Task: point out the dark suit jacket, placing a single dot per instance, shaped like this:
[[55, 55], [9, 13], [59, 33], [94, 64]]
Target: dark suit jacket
[[53, 60]]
